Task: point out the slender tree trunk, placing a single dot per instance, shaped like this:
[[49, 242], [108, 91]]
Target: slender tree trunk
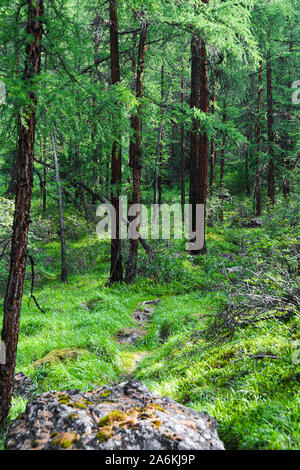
[[258, 182], [14, 291], [61, 214], [135, 150], [247, 186], [212, 149], [286, 187], [271, 177], [116, 266], [44, 185], [159, 182], [199, 141], [182, 145], [194, 103], [222, 165]]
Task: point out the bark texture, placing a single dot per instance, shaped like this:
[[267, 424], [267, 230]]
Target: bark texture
[[61, 215], [135, 150], [14, 291], [271, 177], [199, 139], [258, 182], [116, 266]]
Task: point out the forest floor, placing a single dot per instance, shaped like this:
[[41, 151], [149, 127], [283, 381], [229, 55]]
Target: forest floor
[[243, 377]]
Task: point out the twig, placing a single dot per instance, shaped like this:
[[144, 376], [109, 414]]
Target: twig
[[32, 296]]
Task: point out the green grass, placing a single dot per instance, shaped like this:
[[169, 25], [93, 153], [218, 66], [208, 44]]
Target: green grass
[[255, 401]]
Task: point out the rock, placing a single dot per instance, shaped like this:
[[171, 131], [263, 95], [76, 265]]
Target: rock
[[130, 335], [23, 386], [151, 302], [252, 223], [227, 256], [58, 355], [234, 269], [126, 416]]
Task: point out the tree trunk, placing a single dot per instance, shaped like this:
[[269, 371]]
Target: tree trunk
[[212, 150], [247, 186], [222, 165], [199, 141], [14, 291], [271, 178], [194, 103], [116, 267], [44, 185], [159, 180], [182, 156], [135, 150], [258, 182], [61, 215], [286, 187]]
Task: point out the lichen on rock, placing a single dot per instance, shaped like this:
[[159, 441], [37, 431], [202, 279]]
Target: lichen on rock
[[133, 419]]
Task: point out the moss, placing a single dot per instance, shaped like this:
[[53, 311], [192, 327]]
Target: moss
[[35, 443], [73, 416], [113, 417], [146, 414], [64, 440], [58, 355], [105, 394], [104, 434], [156, 423], [128, 422], [78, 404], [155, 406], [63, 400]]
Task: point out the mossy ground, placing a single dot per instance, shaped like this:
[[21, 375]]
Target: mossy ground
[[255, 401]]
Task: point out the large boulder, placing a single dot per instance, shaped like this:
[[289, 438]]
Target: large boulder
[[121, 417]]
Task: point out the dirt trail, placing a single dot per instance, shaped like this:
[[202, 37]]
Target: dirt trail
[[129, 336]]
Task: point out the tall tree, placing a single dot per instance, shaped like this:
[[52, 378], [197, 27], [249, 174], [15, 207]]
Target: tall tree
[[14, 291], [116, 266], [258, 179], [212, 148], [182, 148], [135, 149], [222, 165], [199, 139], [271, 177], [61, 214]]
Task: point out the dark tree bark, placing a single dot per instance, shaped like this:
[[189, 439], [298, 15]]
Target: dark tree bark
[[199, 139], [194, 103], [12, 187], [182, 153], [271, 177], [212, 150], [61, 214], [247, 185], [44, 183], [135, 150], [222, 165], [286, 186], [14, 291], [159, 182], [116, 266], [258, 182]]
